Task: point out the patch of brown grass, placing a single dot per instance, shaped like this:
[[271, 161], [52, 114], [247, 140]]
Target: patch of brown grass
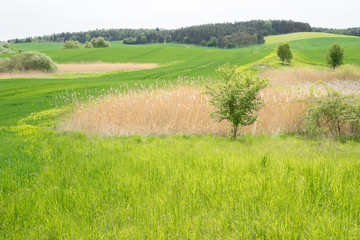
[[299, 76], [103, 67], [28, 74], [82, 68], [179, 110]]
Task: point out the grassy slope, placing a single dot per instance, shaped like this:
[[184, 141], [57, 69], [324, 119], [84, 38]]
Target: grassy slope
[[311, 48], [276, 39], [17, 102], [69, 185]]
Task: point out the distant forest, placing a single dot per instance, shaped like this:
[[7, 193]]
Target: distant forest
[[226, 35], [347, 31]]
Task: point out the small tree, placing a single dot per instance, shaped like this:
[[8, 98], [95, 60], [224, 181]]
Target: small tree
[[203, 43], [71, 44], [329, 112], [213, 42], [236, 97], [335, 55], [73, 38], [284, 53], [186, 40], [143, 39], [99, 42], [88, 45]]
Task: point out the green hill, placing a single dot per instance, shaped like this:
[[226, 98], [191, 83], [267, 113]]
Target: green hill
[[276, 39], [58, 184], [175, 59]]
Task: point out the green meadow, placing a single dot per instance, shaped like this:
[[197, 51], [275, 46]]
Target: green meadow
[[57, 184]]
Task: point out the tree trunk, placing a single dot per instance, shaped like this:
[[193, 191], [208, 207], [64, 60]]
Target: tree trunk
[[235, 128]]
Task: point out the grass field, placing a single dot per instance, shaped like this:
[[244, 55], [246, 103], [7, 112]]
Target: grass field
[[57, 184]]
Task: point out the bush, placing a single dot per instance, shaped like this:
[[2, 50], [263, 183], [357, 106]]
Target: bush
[[335, 55], [26, 62], [130, 40], [284, 53], [88, 45], [213, 42], [230, 45], [99, 42], [186, 40], [4, 48], [71, 44], [236, 97], [329, 112], [239, 39], [143, 39], [348, 72]]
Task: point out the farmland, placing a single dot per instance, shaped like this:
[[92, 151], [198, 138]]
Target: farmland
[[62, 184]]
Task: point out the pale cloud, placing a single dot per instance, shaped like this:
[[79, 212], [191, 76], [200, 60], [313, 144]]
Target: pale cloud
[[23, 18]]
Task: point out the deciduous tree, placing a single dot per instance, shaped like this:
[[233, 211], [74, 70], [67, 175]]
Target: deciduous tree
[[335, 55], [236, 97], [284, 52]]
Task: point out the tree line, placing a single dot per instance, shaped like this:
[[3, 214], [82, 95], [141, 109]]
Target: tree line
[[218, 34], [346, 31]]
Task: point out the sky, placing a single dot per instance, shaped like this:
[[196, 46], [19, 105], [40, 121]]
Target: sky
[[25, 18]]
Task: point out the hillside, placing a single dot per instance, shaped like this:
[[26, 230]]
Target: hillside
[[184, 60], [71, 168]]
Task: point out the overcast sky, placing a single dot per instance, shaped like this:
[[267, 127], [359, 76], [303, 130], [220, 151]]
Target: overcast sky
[[22, 18]]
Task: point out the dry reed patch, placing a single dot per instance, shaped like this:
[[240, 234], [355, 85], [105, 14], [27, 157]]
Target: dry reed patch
[[180, 110], [81, 68], [299, 76], [28, 74], [103, 67]]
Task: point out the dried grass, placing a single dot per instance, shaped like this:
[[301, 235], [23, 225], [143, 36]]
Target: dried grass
[[28, 74], [81, 68], [179, 110], [300, 76], [103, 67]]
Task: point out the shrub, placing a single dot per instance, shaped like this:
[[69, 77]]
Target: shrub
[[88, 45], [71, 44], [186, 40], [26, 62], [236, 97], [143, 39], [284, 53], [239, 39], [73, 38], [213, 42], [335, 55], [130, 40], [230, 45], [348, 72], [4, 48], [329, 112], [99, 42], [203, 43]]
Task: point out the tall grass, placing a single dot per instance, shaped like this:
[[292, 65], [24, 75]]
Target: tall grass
[[297, 76], [179, 110], [184, 109], [70, 186]]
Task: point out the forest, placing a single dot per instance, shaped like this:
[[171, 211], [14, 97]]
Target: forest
[[219, 34], [347, 31]]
